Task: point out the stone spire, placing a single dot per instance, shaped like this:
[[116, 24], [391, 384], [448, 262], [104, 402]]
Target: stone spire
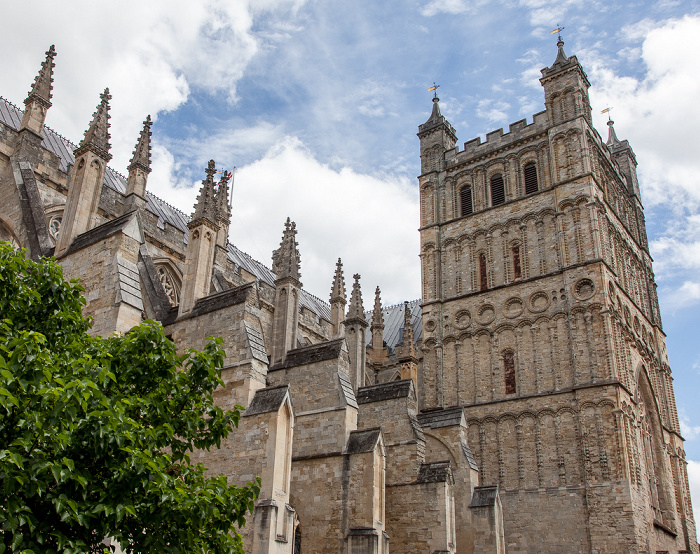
[[201, 246], [566, 87], [206, 207], [140, 166], [223, 209], [97, 135], [355, 333], [356, 310], [43, 83], [286, 259], [612, 137], [38, 100], [408, 340], [436, 136], [377, 327], [87, 176], [338, 301], [561, 56], [142, 151], [626, 160]]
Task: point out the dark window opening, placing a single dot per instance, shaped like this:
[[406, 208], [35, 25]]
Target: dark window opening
[[483, 282], [509, 370], [498, 191], [466, 200], [530, 173], [297, 540], [517, 271]]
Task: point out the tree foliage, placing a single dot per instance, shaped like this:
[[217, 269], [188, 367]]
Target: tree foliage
[[96, 433]]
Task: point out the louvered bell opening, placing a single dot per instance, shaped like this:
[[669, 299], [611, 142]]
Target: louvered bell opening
[[498, 193], [466, 200], [530, 172]]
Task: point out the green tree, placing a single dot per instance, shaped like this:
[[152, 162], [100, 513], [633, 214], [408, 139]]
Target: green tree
[[96, 433]]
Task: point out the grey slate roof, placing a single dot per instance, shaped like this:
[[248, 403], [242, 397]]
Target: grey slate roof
[[11, 116], [393, 323], [364, 440], [267, 400], [255, 342], [434, 472], [384, 391], [484, 496]]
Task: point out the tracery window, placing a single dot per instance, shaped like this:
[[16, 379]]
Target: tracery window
[[498, 191], [55, 226], [170, 283], [530, 174], [465, 196]]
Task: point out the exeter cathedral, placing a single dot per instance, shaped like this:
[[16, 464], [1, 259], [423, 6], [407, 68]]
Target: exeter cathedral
[[524, 404]]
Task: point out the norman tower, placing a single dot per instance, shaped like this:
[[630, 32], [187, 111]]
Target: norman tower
[[541, 321]]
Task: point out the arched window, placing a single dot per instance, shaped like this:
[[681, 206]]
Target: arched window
[[509, 371], [483, 281], [530, 174], [297, 540], [517, 269], [498, 191], [465, 196]]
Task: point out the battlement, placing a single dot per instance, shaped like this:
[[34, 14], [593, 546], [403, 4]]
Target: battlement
[[498, 139]]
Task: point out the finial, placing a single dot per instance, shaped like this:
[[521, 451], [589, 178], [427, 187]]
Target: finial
[[43, 82], [97, 135], [142, 152], [434, 89], [210, 170], [338, 288], [222, 198]]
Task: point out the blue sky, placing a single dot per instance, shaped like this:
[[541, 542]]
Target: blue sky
[[317, 104]]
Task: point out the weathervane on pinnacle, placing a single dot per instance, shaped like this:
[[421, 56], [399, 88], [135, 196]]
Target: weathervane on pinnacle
[[558, 30], [434, 88]]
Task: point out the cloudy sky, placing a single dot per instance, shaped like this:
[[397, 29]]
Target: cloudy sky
[[316, 103]]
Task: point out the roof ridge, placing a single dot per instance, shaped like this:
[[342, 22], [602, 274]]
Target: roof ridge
[[187, 217]]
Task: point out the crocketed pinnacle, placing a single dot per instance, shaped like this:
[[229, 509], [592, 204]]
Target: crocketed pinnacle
[[356, 310], [205, 208], [338, 288], [286, 259], [222, 200], [612, 137], [43, 83], [377, 315], [141, 157], [97, 135], [409, 347]]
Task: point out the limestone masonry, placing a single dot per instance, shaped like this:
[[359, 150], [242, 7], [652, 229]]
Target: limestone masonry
[[525, 404]]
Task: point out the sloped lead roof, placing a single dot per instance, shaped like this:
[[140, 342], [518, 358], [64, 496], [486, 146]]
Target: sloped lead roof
[[11, 116]]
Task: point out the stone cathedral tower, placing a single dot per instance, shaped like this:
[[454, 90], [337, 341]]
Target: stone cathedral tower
[[540, 319]]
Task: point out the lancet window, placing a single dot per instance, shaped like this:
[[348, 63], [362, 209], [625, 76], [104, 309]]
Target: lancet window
[[498, 191]]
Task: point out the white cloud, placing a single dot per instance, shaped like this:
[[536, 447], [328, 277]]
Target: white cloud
[[150, 54], [445, 6], [658, 114], [339, 213], [493, 111], [694, 482]]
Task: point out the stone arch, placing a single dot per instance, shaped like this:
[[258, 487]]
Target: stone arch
[[6, 234]]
